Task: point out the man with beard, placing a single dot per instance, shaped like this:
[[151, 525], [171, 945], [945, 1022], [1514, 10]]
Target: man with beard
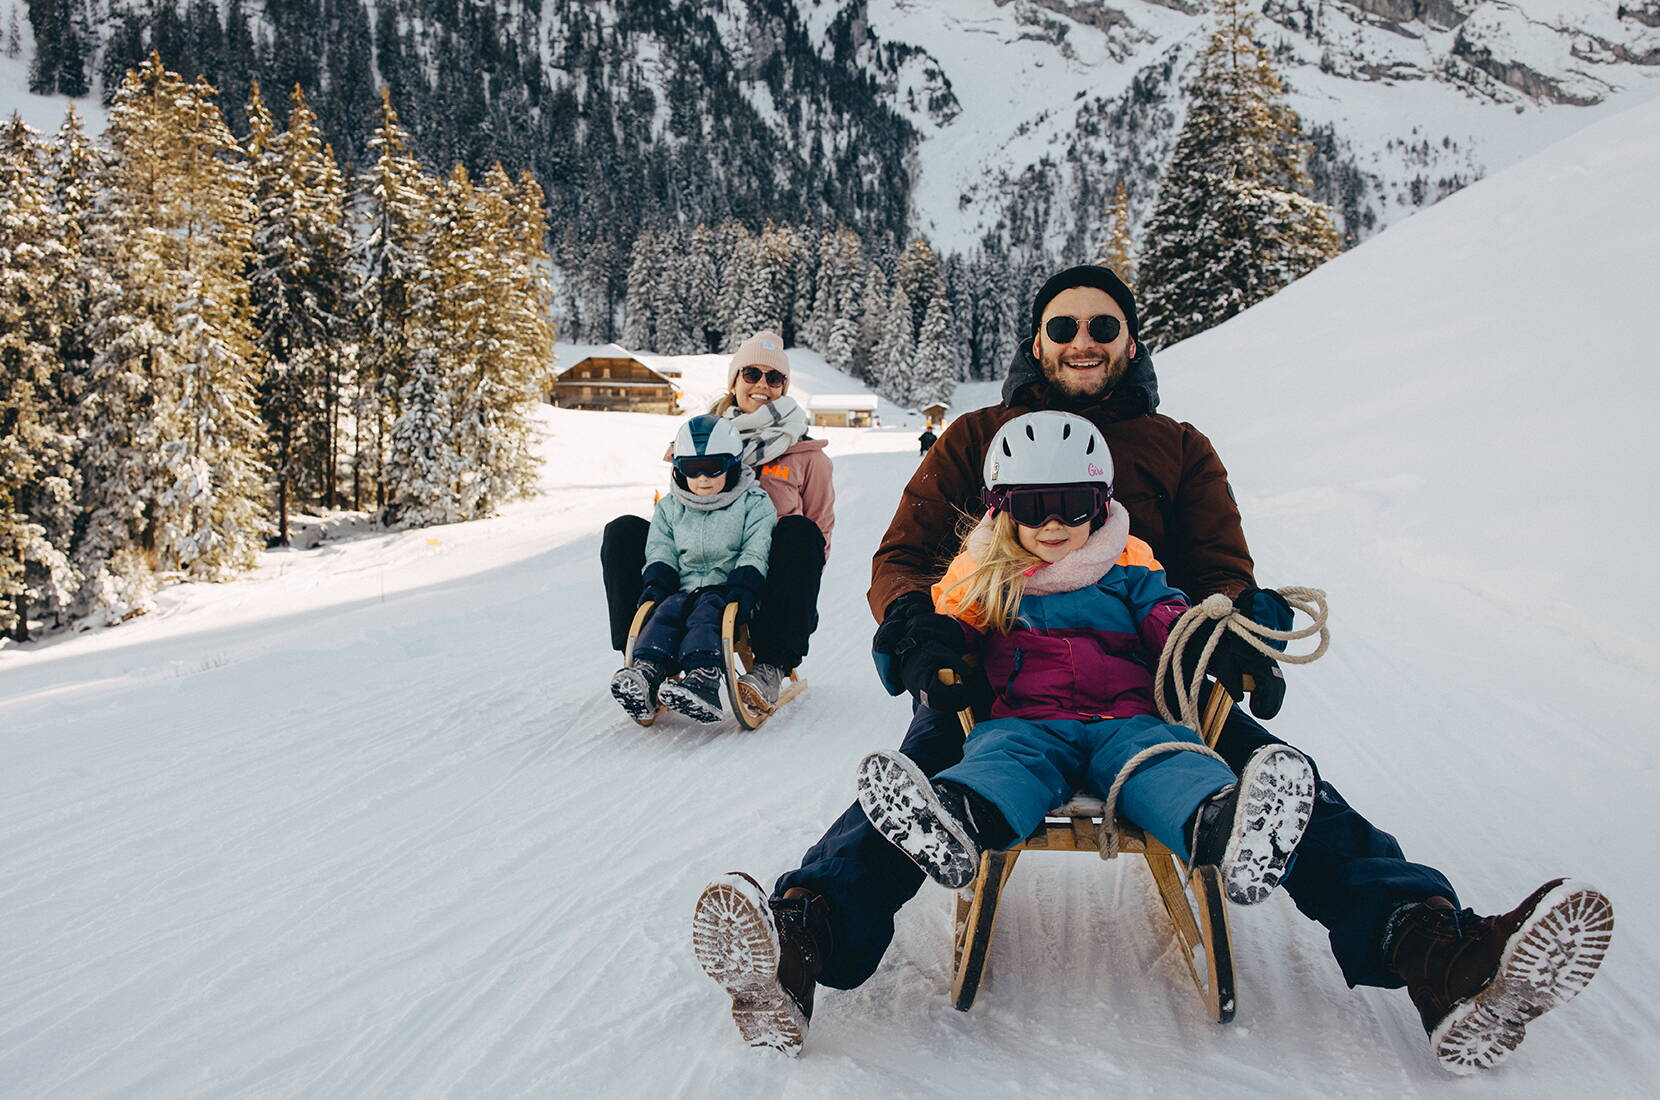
[[1391, 922]]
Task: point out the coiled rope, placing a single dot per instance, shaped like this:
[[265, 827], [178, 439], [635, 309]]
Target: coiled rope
[[1213, 608]]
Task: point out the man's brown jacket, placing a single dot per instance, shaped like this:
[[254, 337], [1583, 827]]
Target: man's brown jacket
[[1166, 474]]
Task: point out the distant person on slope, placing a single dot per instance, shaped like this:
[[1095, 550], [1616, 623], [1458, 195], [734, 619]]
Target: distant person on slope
[[927, 438], [1391, 922], [796, 474], [707, 547]]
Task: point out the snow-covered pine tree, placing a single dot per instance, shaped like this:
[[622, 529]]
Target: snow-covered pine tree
[[301, 283], [1230, 227], [847, 306], [702, 291], [37, 431], [211, 512], [424, 463], [170, 389], [918, 272], [935, 374], [895, 358], [640, 293], [736, 248], [1116, 248], [873, 322], [820, 313], [394, 205], [764, 303]]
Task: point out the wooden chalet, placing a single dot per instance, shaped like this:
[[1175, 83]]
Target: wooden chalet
[[614, 379], [837, 410]]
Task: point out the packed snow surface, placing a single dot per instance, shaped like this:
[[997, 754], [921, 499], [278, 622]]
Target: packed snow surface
[[368, 823]]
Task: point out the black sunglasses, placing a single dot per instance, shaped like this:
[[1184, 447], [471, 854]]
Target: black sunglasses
[[705, 465], [775, 378], [1034, 506], [1103, 328]]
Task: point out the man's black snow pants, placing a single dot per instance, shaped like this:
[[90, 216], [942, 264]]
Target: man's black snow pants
[[786, 614], [1347, 874]]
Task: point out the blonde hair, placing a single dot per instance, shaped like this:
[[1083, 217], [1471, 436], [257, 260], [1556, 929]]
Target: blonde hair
[[993, 590], [722, 403]]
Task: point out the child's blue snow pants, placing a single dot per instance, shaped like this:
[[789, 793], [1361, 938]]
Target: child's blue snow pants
[[685, 629], [1349, 875], [1027, 768]]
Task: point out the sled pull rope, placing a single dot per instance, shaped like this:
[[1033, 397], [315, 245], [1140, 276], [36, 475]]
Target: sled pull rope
[[1310, 601]]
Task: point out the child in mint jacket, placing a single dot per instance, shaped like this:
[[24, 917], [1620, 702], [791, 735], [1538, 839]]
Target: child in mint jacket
[[707, 547]]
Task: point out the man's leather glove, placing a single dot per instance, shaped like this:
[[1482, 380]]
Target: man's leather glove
[[921, 642], [658, 580], [743, 587], [1235, 659]]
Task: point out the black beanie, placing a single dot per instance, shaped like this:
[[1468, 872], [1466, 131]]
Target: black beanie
[[1087, 275]]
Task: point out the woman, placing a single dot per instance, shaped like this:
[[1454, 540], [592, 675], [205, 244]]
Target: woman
[[796, 474]]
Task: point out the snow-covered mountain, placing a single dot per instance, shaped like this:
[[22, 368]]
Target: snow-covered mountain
[[368, 824], [1011, 120], [1031, 111]]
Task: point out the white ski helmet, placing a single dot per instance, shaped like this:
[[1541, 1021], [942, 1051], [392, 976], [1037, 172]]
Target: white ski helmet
[[707, 435], [1048, 448]]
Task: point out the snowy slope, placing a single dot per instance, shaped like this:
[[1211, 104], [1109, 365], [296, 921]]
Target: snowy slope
[[368, 824]]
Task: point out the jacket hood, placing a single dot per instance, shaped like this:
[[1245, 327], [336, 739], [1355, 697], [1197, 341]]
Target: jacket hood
[[804, 445], [1137, 392]]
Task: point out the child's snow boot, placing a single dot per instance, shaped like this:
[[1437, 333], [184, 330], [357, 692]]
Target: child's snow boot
[[941, 826], [766, 954], [696, 694], [1250, 829], [1479, 981], [635, 687]]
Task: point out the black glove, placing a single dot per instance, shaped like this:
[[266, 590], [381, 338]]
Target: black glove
[[658, 580], [743, 587], [1235, 659], [920, 643], [1265, 607]]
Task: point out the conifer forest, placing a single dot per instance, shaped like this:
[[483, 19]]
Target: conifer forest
[[271, 285]]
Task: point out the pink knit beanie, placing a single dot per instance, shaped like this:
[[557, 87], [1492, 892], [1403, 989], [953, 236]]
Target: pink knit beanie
[[764, 349]]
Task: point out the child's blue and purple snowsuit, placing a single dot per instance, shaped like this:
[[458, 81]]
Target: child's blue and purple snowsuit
[[1074, 691]]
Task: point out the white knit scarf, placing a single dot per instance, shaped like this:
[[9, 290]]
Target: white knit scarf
[[770, 430]]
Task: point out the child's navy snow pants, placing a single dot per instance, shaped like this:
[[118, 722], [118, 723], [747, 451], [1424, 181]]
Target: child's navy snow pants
[[1348, 875], [1027, 768], [684, 630]]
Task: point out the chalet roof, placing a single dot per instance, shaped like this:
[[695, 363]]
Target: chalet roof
[[668, 372], [842, 402]]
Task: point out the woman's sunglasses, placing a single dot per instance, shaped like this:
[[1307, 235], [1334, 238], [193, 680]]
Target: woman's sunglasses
[[1073, 505], [775, 378], [1103, 328], [705, 465]]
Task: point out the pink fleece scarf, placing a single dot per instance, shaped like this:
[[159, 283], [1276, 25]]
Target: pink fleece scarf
[[1083, 567]]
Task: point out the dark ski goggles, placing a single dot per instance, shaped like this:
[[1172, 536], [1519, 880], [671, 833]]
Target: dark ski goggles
[[1073, 505], [705, 465], [752, 375], [1103, 328]]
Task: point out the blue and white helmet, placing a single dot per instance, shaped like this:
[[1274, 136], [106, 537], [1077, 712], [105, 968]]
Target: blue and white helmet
[[1047, 448], [706, 436]]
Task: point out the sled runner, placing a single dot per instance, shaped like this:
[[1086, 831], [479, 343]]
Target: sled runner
[[1200, 923], [739, 660]]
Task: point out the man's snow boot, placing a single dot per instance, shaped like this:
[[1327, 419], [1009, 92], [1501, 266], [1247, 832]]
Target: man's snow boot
[[696, 694], [941, 826], [766, 954], [635, 687], [1478, 981], [1250, 829], [759, 686]]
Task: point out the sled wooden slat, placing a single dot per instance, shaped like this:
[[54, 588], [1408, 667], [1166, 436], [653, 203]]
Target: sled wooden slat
[[1075, 826]]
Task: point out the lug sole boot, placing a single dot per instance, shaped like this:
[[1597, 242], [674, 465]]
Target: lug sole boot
[[906, 809], [766, 958]]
